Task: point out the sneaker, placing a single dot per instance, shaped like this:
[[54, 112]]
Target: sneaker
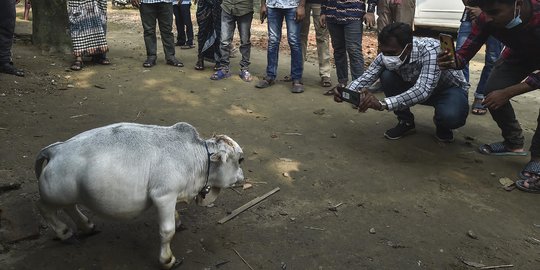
[[444, 135], [264, 83], [297, 87], [245, 76], [401, 129]]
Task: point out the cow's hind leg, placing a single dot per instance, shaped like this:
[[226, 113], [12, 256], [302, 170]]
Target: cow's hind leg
[[166, 213], [83, 223], [50, 214]]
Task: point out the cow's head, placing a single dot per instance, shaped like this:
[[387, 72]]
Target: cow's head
[[226, 157]]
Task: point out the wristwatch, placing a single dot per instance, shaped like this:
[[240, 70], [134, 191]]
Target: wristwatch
[[383, 105]]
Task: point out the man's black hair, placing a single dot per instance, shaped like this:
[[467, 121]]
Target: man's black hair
[[402, 32], [483, 3]]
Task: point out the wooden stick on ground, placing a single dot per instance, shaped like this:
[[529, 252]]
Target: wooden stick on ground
[[497, 266], [243, 259], [247, 206]]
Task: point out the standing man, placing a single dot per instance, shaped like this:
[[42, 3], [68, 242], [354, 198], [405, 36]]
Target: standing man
[[235, 12], [390, 11], [293, 12], [493, 51], [515, 23], [313, 7], [7, 30], [344, 22], [184, 26], [162, 11]]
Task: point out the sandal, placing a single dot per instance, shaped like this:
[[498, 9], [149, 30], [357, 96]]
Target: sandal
[[532, 168], [175, 63], [9, 68], [187, 47], [220, 74], [332, 91], [478, 108], [216, 67], [532, 184], [149, 63], [101, 59], [326, 81], [499, 149], [77, 65], [199, 65]]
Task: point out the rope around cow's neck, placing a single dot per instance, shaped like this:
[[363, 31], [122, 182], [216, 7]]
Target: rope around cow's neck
[[206, 188]]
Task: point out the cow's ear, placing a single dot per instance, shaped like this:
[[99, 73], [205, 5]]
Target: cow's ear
[[219, 156]]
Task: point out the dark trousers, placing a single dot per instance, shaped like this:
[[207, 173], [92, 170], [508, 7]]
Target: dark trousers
[[7, 29], [504, 75], [162, 12], [228, 24], [184, 26], [347, 41], [451, 104]]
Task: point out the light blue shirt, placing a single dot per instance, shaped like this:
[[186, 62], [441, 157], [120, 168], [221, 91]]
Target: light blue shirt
[[282, 3]]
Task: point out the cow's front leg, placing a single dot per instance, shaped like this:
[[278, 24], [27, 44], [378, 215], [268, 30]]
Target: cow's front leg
[[166, 213]]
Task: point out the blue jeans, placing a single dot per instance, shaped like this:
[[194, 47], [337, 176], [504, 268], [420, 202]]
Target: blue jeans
[[493, 50], [275, 22], [451, 104], [347, 41], [228, 24]]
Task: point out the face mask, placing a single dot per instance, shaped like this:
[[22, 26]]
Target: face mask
[[393, 62], [517, 19]]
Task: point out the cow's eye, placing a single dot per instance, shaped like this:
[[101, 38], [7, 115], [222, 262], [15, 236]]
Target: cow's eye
[[240, 160]]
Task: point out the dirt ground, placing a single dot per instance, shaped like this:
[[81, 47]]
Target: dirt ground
[[407, 204]]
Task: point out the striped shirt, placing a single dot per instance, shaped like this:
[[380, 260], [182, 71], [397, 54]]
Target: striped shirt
[[522, 43], [345, 11], [422, 69]]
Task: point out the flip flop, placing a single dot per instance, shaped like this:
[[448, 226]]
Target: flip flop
[[199, 65], [498, 149], [533, 185], [532, 168], [220, 74]]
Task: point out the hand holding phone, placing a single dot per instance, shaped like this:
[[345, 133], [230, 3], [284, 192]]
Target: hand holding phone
[[351, 96], [447, 57]]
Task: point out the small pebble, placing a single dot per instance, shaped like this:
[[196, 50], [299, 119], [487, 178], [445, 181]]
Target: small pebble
[[372, 231]]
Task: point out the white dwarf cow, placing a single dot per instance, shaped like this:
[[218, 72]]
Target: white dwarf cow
[[120, 170]]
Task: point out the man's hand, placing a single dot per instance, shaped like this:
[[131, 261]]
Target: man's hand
[[322, 20], [369, 19], [496, 99], [263, 12], [445, 60], [136, 3], [474, 12], [369, 101], [300, 13]]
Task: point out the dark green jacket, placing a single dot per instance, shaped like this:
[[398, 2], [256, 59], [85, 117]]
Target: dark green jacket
[[237, 7]]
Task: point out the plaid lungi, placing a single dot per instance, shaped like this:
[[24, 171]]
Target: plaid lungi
[[87, 26]]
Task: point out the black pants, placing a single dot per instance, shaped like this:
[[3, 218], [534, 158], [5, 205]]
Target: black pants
[[503, 75], [162, 12], [7, 29], [184, 26]]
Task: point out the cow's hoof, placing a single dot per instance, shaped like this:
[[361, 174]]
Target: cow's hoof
[[174, 264], [177, 263]]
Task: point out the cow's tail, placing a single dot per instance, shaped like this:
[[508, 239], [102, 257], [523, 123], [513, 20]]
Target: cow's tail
[[43, 155]]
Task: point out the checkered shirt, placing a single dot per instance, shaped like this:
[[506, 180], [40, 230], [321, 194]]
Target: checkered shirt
[[422, 69]]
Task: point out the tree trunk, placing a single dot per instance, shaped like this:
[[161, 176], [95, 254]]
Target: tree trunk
[[50, 25]]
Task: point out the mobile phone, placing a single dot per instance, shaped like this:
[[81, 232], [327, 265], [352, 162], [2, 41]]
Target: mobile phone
[[350, 96], [447, 44]]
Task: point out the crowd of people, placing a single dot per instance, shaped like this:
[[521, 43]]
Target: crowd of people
[[408, 70]]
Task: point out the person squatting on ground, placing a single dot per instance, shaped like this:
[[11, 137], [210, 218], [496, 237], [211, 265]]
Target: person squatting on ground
[[391, 11], [88, 29], [162, 11], [184, 26], [235, 13], [409, 74], [293, 12], [493, 51], [516, 23], [209, 36], [313, 7], [7, 30], [344, 22]]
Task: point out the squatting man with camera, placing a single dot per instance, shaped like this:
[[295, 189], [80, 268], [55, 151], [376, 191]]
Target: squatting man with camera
[[409, 74]]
